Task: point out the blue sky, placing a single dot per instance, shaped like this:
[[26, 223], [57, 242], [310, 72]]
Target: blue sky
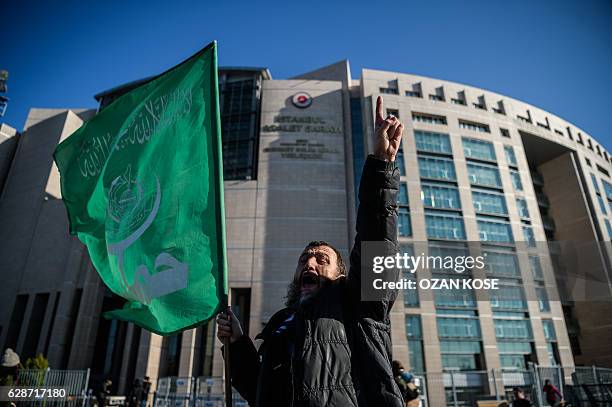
[[554, 54]]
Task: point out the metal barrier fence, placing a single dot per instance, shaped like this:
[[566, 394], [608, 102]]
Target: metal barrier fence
[[581, 386], [193, 392], [74, 381]]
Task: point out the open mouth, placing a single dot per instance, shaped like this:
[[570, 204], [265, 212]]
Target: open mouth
[[310, 281]]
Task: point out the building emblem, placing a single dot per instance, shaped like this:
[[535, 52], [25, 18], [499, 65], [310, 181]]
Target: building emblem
[[301, 100]]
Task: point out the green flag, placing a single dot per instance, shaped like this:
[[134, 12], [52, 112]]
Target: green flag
[[143, 185]]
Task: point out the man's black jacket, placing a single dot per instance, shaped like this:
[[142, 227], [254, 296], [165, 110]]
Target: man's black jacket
[[341, 345]]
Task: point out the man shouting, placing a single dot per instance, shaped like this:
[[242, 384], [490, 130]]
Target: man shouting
[[327, 347]]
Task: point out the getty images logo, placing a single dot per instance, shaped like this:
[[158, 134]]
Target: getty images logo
[[301, 100]]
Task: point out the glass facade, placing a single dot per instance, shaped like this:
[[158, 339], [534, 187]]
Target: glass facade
[[602, 205], [512, 328], [458, 328], [484, 175], [359, 154], [402, 196], [444, 226], [428, 118], [609, 228], [239, 121], [478, 149], [399, 161], [529, 236], [502, 264], [474, 126], [432, 142], [521, 205], [403, 222], [414, 332], [492, 231], [607, 189], [516, 180], [543, 303], [595, 184], [536, 268], [437, 168], [489, 202], [440, 196], [510, 156], [508, 296]]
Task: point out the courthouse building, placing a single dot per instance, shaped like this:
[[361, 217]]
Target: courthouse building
[[476, 166]]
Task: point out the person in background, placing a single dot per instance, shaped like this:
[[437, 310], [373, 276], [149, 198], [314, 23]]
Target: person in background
[[405, 381], [146, 387], [519, 398], [9, 370], [553, 395]]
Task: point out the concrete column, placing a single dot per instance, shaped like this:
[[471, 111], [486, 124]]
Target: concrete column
[[187, 355], [125, 360], [88, 319]]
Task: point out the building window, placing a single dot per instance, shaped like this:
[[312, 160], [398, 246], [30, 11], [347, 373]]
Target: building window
[[389, 91], [480, 104], [512, 329], [444, 226], [440, 196], [403, 222], [595, 184], [438, 96], [411, 297], [502, 264], [416, 92], [428, 118], [536, 267], [543, 303], [399, 160], [480, 174], [602, 170], [393, 112], [460, 355], [437, 168], [607, 189], [478, 149], [491, 231], [489, 202], [460, 99], [402, 196], [504, 132], [602, 204], [551, 342], [239, 127], [529, 236], [500, 109], [414, 332], [458, 328], [432, 142], [508, 296], [403, 212], [609, 228], [455, 298], [464, 124], [510, 156], [521, 205], [516, 180], [549, 330], [515, 354]]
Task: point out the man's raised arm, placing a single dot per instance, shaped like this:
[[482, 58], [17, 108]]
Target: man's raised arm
[[377, 213]]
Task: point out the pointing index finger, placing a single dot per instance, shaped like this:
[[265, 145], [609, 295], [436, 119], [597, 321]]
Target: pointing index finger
[[379, 110]]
